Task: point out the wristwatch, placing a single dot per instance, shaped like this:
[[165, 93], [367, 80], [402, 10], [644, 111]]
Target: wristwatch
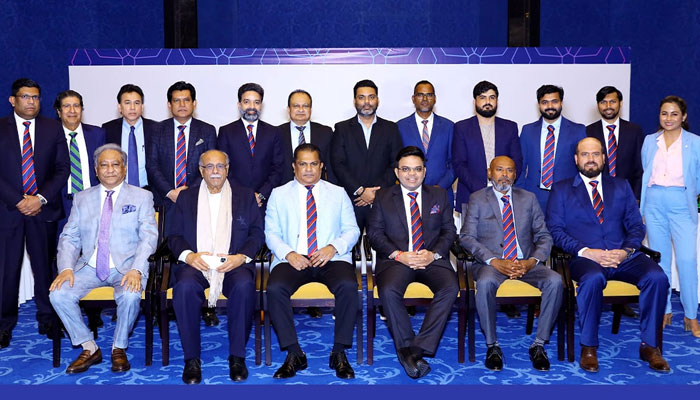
[[261, 197], [436, 256], [629, 251]]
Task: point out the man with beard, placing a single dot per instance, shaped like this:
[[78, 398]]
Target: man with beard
[[595, 218], [622, 139], [481, 138], [505, 231], [432, 133], [548, 145], [253, 146], [363, 149]]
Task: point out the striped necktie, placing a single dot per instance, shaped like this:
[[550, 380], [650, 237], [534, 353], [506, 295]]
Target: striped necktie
[[251, 140], [612, 150], [102, 267], [302, 139], [28, 177], [416, 223], [597, 201], [425, 137], [311, 221], [548, 159], [76, 169], [180, 158], [510, 251]]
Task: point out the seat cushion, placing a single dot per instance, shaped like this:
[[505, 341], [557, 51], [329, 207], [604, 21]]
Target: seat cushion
[[313, 290], [414, 290], [169, 294], [103, 294], [617, 288], [517, 288]]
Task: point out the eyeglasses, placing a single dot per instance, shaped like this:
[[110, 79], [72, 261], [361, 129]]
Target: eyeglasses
[[301, 106], [406, 170], [210, 167], [26, 97], [424, 95]]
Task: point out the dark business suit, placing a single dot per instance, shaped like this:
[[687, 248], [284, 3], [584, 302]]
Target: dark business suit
[[574, 225], [355, 165], [261, 172], [320, 136], [629, 151], [51, 169], [469, 156], [113, 134], [247, 238], [482, 235], [439, 156], [389, 231]]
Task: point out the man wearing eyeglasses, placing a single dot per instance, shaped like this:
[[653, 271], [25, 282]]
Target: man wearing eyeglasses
[[34, 168], [411, 227]]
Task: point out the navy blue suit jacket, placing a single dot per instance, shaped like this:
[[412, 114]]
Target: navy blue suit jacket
[[469, 157], [564, 165], [263, 172], [439, 157], [321, 136]]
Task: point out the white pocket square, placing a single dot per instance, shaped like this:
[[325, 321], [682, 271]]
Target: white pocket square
[[200, 141]]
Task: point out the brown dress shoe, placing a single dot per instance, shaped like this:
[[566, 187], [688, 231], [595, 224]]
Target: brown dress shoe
[[589, 359], [84, 361], [653, 356], [119, 361]]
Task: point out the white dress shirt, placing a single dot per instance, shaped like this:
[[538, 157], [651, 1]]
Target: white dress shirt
[[606, 132], [255, 127], [367, 131], [407, 208], [543, 140], [419, 124], [294, 133]]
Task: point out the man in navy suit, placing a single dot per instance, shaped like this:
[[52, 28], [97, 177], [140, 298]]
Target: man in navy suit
[[548, 145], [254, 146], [481, 138], [132, 133], [432, 133], [595, 218], [34, 169], [214, 220], [300, 130]]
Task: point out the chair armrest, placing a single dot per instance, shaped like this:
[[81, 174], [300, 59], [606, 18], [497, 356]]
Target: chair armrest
[[370, 267], [264, 254], [357, 262], [653, 254], [461, 254], [560, 263], [368, 248], [164, 281]]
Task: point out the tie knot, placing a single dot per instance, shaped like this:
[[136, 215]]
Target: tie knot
[[425, 122], [73, 135], [250, 128], [594, 184], [505, 199], [109, 193], [611, 128], [132, 129], [550, 128], [413, 195], [26, 123], [182, 128], [309, 187], [301, 128]]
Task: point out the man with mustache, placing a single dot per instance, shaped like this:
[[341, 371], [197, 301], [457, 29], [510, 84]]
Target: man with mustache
[[505, 231], [254, 146], [548, 145]]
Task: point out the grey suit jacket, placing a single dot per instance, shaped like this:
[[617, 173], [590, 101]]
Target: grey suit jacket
[[133, 234], [482, 230]]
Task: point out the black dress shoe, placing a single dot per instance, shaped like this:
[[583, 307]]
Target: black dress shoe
[[193, 371], [494, 358], [5, 337], [237, 369], [339, 362], [539, 358], [414, 365], [292, 364], [627, 311], [314, 312], [209, 317]]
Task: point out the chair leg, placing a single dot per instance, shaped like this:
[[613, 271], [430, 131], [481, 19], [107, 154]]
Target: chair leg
[[571, 320], [461, 328], [359, 328], [149, 330], [530, 319], [371, 326], [56, 344], [617, 316], [164, 331], [561, 333], [471, 329], [268, 340], [258, 339]]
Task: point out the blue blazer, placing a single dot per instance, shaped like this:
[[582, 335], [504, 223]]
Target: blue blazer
[[570, 134], [470, 159], [691, 167], [439, 157], [574, 225]]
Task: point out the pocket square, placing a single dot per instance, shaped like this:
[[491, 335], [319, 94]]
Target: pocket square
[[128, 208], [435, 209], [200, 141]]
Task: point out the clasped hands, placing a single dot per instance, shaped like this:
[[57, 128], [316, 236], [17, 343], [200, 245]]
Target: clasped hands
[[318, 259], [29, 205], [232, 261], [415, 259], [513, 269], [367, 197], [606, 258]]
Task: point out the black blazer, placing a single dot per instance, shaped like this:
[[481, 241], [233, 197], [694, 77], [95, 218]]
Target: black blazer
[[321, 136], [629, 152], [113, 134]]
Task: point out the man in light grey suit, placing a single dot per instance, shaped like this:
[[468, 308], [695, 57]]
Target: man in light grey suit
[[107, 240], [505, 231]]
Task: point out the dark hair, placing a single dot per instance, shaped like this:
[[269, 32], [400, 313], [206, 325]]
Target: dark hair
[[364, 83], [289, 99], [24, 82], [483, 87], [606, 90], [547, 89], [63, 95], [247, 87], [307, 147], [423, 82], [130, 88], [681, 104], [410, 151], [181, 85]]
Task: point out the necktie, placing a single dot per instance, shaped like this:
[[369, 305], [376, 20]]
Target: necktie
[[416, 223], [76, 170], [133, 159], [180, 158], [28, 176], [311, 220], [510, 251], [102, 267], [597, 201], [612, 150], [251, 140], [548, 159], [302, 139], [425, 137]]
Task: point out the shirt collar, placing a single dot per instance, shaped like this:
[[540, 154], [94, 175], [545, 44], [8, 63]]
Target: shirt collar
[[116, 190], [374, 120], [187, 124], [605, 123], [499, 194], [21, 120], [67, 131], [405, 191], [586, 179], [419, 119], [137, 125]]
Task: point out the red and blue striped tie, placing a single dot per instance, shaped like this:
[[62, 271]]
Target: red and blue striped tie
[[28, 176], [251, 140], [612, 150], [548, 159], [416, 223], [510, 251], [597, 201], [311, 220], [425, 138], [180, 158]]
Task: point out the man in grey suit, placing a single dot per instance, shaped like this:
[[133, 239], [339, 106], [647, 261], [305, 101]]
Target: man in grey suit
[[107, 240], [505, 231]]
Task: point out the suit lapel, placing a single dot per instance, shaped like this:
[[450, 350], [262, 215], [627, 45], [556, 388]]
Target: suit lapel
[[495, 207], [584, 200], [192, 142], [374, 138], [400, 209], [686, 155]]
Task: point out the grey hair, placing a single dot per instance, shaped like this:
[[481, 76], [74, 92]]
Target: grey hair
[[219, 151], [110, 146]]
